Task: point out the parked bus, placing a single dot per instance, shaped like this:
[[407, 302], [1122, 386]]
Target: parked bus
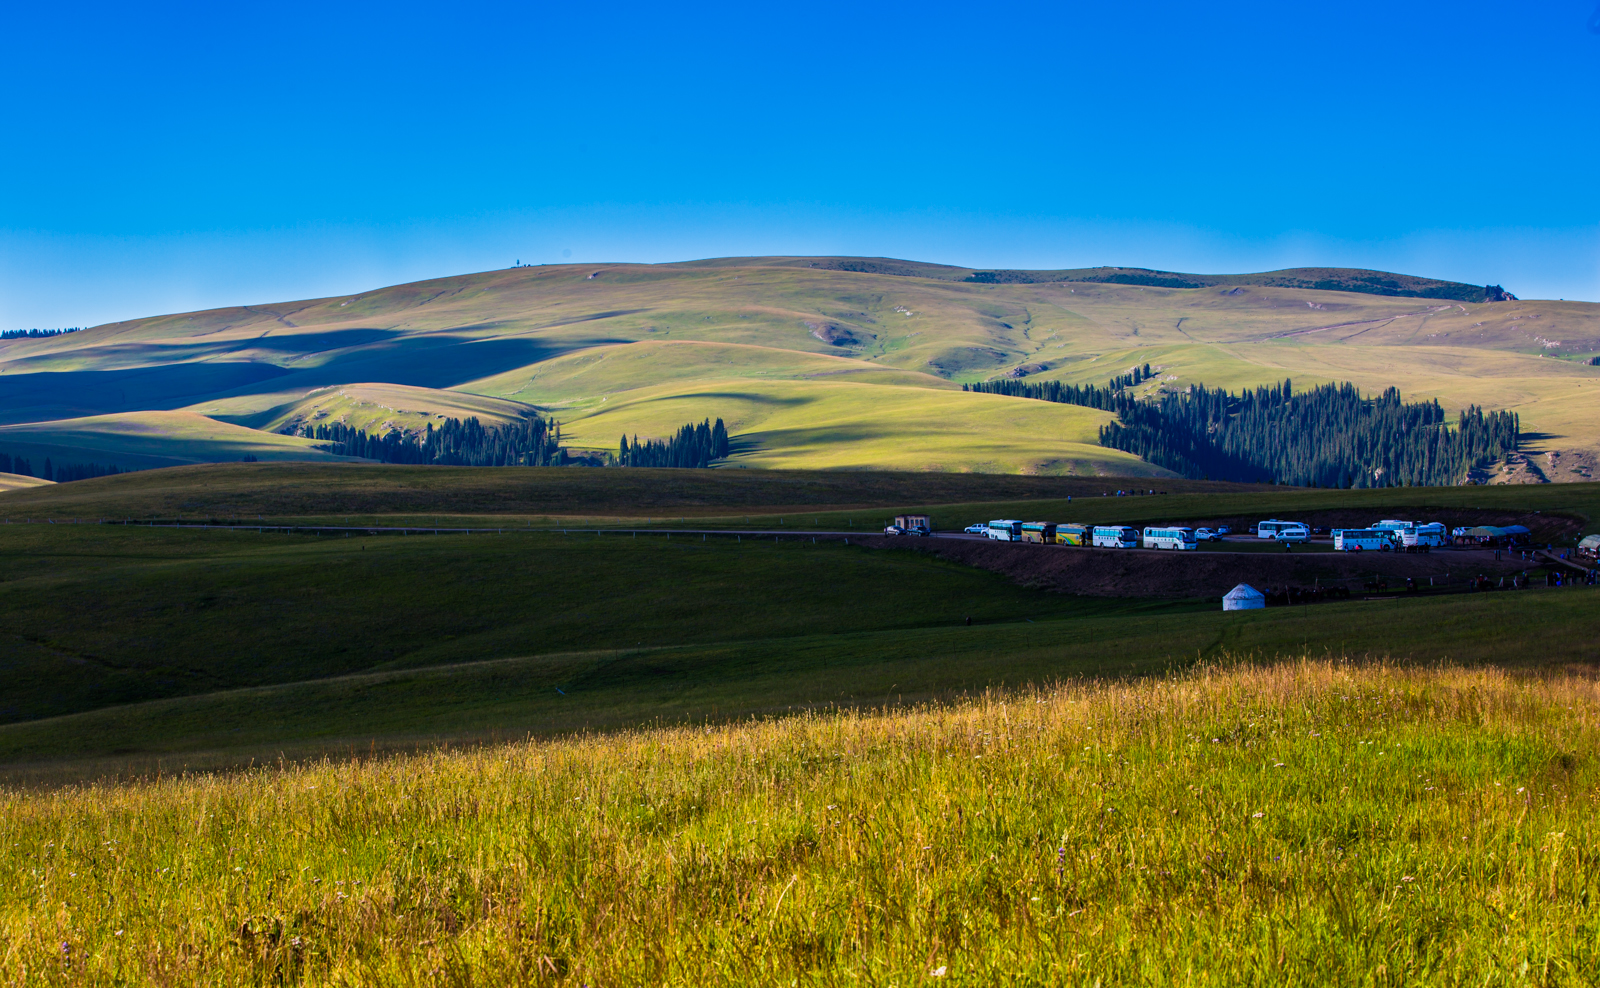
[[1005, 530], [1362, 539], [1170, 538], [1039, 532], [1422, 537], [1074, 534], [1283, 531], [1116, 537]]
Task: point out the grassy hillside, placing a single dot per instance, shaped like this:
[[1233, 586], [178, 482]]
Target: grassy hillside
[[514, 494], [1302, 824], [148, 440], [647, 347], [826, 500], [436, 694], [17, 482], [621, 627], [102, 615]]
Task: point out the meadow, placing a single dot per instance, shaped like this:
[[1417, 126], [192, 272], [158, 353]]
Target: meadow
[[132, 647], [575, 748], [1302, 822]]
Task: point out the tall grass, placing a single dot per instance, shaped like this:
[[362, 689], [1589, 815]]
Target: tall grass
[[1303, 823]]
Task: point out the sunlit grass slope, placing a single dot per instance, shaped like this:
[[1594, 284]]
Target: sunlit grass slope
[[585, 380], [150, 439], [381, 408], [1299, 824], [845, 425], [17, 482]]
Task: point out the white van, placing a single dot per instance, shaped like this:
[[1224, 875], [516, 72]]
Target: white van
[[1170, 538], [1362, 539], [1005, 530], [1116, 537], [1283, 531]]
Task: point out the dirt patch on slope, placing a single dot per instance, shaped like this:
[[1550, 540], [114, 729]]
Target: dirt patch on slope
[[1149, 573]]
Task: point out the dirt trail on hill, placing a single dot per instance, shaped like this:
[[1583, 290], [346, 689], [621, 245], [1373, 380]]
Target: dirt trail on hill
[[1149, 573]]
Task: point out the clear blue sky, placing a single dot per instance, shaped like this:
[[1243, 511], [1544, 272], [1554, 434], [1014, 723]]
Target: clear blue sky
[[163, 159]]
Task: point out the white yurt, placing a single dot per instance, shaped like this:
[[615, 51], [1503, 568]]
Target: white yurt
[[1243, 597]]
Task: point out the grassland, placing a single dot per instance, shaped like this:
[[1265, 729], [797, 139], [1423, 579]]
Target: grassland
[[100, 615], [151, 440], [797, 352], [1304, 823], [17, 482], [139, 640], [365, 492], [443, 699], [803, 500]]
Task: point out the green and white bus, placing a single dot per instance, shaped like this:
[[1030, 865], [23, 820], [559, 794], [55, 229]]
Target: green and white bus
[[1116, 537], [1005, 530], [1170, 538]]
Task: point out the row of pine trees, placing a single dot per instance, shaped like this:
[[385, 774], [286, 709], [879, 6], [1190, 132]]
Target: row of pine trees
[[61, 473], [1329, 436], [533, 441], [693, 446]]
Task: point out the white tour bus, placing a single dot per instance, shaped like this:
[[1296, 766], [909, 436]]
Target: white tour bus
[[1116, 537], [1170, 538], [1005, 530], [1423, 536], [1359, 539], [1283, 531]]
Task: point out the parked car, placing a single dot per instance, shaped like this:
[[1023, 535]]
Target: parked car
[[1224, 530], [979, 529], [1207, 535], [894, 530], [1320, 533]]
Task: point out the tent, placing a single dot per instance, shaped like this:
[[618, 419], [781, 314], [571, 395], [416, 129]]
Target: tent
[[1243, 597]]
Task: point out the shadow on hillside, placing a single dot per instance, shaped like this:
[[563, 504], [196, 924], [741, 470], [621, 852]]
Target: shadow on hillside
[[751, 397], [189, 375]]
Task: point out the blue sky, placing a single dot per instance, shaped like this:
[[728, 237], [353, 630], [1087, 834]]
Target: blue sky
[[174, 158]]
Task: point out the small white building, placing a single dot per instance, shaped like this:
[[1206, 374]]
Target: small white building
[[1243, 597]]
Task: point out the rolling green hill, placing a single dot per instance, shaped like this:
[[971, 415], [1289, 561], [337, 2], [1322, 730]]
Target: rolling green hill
[[813, 362]]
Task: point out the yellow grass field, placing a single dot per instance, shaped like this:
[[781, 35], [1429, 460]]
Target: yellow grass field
[[1302, 823]]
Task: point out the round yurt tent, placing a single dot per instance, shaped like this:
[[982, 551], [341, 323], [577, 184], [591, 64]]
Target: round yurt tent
[[1243, 597]]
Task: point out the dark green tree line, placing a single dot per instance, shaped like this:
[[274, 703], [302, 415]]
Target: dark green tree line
[[693, 446], [533, 441], [1330, 436], [60, 473], [36, 334]]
